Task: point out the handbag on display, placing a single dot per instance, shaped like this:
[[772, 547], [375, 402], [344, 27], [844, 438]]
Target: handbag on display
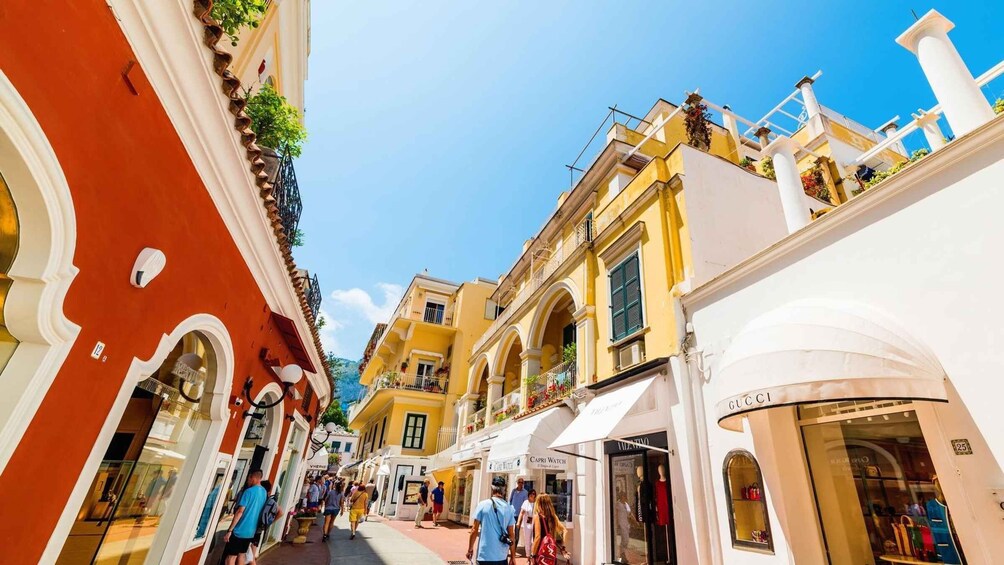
[[928, 539], [903, 541]]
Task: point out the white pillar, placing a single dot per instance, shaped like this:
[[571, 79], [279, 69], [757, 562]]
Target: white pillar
[[890, 130], [729, 121], [932, 133], [494, 393], [964, 105], [789, 183], [585, 344], [808, 97]]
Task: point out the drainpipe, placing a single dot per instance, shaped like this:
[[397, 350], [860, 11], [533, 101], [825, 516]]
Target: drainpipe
[[812, 108], [789, 183], [964, 105]]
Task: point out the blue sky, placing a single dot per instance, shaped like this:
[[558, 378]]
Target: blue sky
[[439, 131]]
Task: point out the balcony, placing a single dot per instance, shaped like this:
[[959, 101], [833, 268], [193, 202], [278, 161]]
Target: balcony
[[312, 290], [445, 438], [582, 235], [475, 422], [393, 380], [505, 408], [434, 314], [285, 190], [546, 389]]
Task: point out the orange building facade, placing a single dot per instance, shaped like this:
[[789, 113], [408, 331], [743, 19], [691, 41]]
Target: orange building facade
[[149, 292]]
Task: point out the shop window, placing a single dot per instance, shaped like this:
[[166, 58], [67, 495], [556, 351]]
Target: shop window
[[215, 488], [747, 502], [414, 431], [877, 492], [560, 491], [625, 298], [158, 440], [640, 497]]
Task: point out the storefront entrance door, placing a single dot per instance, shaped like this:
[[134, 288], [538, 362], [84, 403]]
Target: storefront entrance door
[[878, 493], [641, 521]]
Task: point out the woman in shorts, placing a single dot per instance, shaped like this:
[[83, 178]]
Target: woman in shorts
[[332, 506]]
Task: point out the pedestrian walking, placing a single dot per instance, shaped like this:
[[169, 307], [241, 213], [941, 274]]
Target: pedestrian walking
[[548, 533], [314, 493], [493, 529], [374, 499], [518, 496], [332, 506], [524, 523], [438, 497], [423, 502], [245, 521], [269, 512], [370, 489], [357, 509]]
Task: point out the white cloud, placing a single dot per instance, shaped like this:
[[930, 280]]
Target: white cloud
[[352, 314], [359, 302]]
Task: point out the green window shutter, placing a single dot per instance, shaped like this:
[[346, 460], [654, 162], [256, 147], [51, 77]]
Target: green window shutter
[[617, 313], [632, 296]]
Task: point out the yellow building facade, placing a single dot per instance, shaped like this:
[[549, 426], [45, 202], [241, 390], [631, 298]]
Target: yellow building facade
[[415, 371]]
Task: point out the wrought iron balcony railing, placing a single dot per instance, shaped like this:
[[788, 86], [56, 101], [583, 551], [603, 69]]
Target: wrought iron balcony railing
[[556, 383], [313, 292], [286, 193]]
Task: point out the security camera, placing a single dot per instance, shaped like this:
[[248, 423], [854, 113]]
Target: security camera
[[238, 401], [149, 264]]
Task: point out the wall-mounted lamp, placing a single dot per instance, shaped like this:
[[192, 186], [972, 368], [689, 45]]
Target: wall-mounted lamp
[[289, 375], [329, 429]]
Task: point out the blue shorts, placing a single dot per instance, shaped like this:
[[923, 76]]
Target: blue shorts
[[331, 511]]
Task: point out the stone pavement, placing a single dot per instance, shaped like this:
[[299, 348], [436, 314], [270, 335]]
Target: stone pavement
[[448, 541], [376, 543]]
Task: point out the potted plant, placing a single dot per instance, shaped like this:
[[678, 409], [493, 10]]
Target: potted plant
[[999, 106], [747, 164], [234, 15], [404, 366], [275, 122], [767, 168], [568, 353], [698, 122], [814, 184], [305, 518]]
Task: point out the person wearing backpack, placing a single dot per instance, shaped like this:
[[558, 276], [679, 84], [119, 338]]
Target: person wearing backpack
[[269, 512], [547, 533], [493, 529]]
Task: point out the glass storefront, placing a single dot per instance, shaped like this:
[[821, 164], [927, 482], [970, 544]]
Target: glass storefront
[[747, 502], [877, 491], [641, 520], [162, 430]]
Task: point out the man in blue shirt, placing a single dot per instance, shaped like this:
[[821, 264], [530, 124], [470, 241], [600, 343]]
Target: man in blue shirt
[[518, 495], [246, 518], [492, 518]]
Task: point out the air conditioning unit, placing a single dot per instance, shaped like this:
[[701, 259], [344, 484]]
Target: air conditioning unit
[[631, 354]]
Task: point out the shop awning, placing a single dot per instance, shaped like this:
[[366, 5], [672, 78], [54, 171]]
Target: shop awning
[[600, 418], [524, 445], [319, 460], [383, 470], [820, 351]]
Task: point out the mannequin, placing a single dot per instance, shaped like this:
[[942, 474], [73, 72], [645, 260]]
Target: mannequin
[[643, 497], [662, 512], [941, 529]]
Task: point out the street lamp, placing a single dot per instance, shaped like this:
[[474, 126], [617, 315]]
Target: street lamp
[[289, 375], [329, 428]]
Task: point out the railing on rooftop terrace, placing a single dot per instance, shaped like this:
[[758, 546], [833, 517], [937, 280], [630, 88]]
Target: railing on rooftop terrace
[[582, 235], [556, 383], [286, 193], [611, 118]]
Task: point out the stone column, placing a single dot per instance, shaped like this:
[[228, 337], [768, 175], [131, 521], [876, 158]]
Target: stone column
[[964, 105], [466, 409], [729, 121], [789, 183], [585, 344], [890, 130], [812, 108], [932, 133], [764, 135], [494, 393], [529, 365]]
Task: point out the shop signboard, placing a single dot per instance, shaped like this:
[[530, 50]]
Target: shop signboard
[[506, 465], [529, 462], [657, 439]]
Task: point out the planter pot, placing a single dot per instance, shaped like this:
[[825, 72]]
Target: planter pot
[[303, 527]]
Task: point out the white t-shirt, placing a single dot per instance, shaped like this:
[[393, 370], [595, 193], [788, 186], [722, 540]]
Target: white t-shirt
[[527, 510]]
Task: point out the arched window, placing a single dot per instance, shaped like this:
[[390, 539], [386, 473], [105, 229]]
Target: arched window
[[747, 502]]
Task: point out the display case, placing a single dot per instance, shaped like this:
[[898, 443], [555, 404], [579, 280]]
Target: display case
[[747, 503]]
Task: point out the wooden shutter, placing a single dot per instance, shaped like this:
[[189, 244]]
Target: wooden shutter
[[632, 295], [617, 314]]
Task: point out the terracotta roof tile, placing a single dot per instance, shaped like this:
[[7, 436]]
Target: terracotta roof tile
[[231, 87]]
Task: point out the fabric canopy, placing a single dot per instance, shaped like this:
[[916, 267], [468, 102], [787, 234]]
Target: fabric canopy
[[819, 351], [599, 419], [383, 470], [319, 459], [524, 445]]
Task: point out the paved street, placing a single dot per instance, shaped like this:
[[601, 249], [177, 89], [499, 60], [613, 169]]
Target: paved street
[[378, 542]]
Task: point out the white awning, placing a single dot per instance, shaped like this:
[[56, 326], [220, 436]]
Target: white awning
[[819, 351], [319, 459], [524, 445], [599, 419], [384, 470]]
